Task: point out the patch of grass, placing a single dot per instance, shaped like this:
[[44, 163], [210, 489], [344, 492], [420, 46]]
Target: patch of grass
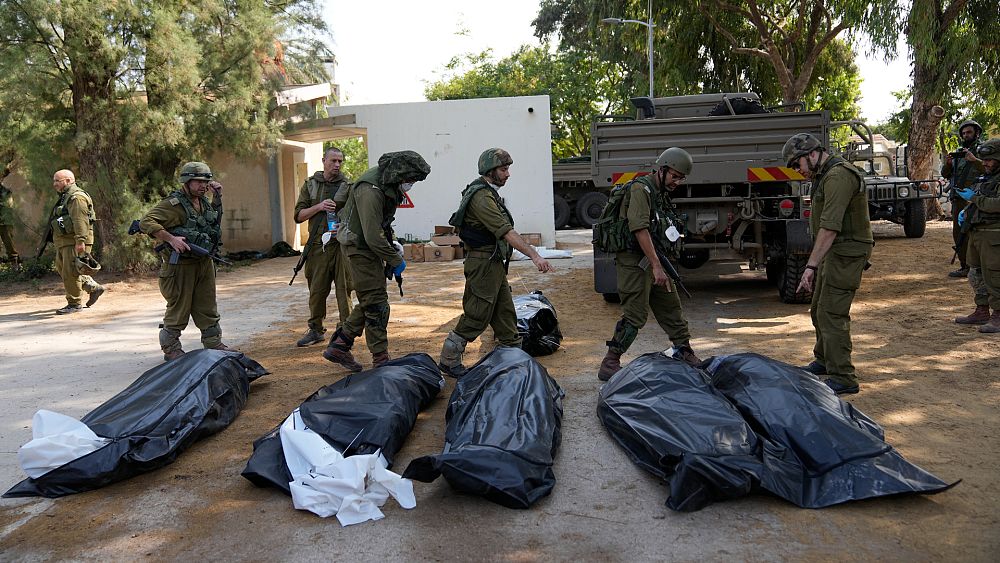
[[28, 270]]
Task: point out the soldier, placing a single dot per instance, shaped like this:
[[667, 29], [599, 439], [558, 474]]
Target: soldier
[[72, 224], [186, 216], [325, 265], [6, 222], [647, 209], [487, 229], [983, 217], [842, 245], [367, 239], [962, 174]]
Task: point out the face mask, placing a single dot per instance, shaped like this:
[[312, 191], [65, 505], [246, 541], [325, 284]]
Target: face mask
[[405, 187]]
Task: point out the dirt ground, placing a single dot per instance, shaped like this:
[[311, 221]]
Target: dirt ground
[[932, 384]]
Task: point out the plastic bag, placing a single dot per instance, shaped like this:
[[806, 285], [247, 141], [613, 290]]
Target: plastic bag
[[537, 324], [503, 430], [153, 420]]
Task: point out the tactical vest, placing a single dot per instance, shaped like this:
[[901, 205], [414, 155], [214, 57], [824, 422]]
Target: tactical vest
[[963, 174], [62, 223], [988, 186], [856, 214], [330, 190], [479, 239], [391, 198], [611, 231], [201, 229]]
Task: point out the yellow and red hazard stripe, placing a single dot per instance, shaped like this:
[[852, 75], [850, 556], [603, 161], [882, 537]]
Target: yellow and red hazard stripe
[[772, 174], [619, 178]]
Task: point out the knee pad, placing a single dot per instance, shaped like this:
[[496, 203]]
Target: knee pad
[[211, 332], [170, 339], [625, 335], [377, 315]]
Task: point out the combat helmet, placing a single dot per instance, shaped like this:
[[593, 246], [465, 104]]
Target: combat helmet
[[493, 158], [970, 123], [87, 264], [195, 171], [676, 158], [990, 150], [799, 145]]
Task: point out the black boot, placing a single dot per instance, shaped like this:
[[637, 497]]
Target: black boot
[[339, 351]]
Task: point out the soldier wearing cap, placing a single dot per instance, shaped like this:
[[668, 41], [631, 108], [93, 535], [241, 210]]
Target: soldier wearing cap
[[962, 173], [842, 245], [981, 218], [72, 223], [366, 237], [187, 216], [647, 207], [486, 228]]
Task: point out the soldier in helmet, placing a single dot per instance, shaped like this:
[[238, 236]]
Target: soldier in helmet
[[982, 216], [72, 223], [842, 245], [647, 206], [962, 173], [366, 237], [187, 216], [486, 228]]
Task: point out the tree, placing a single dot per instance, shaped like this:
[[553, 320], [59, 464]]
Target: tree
[[123, 92], [579, 87]]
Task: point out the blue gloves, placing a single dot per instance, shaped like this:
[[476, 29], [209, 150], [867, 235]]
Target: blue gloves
[[966, 194], [961, 217], [398, 270]]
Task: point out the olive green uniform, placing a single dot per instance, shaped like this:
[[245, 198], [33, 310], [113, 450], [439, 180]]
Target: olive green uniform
[[483, 220], [365, 232], [189, 285], [965, 174], [646, 207], [7, 222], [325, 266], [72, 221], [984, 238], [840, 204]]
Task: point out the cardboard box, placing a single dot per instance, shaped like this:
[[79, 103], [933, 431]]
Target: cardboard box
[[444, 230], [446, 240], [413, 252], [459, 252], [439, 253], [534, 239]]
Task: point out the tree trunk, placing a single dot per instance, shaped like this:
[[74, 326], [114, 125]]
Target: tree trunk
[[922, 142]]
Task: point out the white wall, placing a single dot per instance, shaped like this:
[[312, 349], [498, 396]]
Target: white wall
[[450, 135]]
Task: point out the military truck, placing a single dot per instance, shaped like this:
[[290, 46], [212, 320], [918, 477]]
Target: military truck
[[741, 202], [891, 196], [575, 200]]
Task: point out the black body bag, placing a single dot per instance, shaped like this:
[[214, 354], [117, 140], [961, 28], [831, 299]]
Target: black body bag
[[537, 324]]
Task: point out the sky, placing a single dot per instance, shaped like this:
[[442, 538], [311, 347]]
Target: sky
[[388, 51]]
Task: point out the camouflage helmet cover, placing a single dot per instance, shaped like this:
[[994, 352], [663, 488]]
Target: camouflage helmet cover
[[971, 123], [86, 264], [799, 145], [990, 150], [195, 171], [402, 166], [676, 158], [493, 158]]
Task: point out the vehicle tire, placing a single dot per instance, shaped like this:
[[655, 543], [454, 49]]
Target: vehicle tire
[[589, 208], [775, 269], [794, 264], [612, 297], [915, 222], [561, 209]]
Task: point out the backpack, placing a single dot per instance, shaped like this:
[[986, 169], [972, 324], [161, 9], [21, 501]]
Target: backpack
[[611, 232]]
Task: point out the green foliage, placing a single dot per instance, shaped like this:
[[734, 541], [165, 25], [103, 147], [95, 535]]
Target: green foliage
[[578, 84], [837, 85], [355, 156], [30, 269]]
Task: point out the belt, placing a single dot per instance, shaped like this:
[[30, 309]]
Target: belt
[[479, 254]]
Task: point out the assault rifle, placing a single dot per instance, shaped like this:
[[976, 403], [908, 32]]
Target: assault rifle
[[963, 229], [302, 262], [668, 266], [195, 249]]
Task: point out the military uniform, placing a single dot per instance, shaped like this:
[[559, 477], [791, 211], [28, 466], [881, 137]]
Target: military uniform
[[483, 220], [72, 221], [189, 285], [325, 265], [962, 174], [840, 204], [7, 222], [365, 237], [646, 207], [984, 245]]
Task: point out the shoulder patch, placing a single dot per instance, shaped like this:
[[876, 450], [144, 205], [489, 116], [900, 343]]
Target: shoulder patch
[[174, 201]]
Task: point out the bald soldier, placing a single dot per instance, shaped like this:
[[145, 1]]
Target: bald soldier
[[842, 245], [186, 216], [72, 223], [486, 228]]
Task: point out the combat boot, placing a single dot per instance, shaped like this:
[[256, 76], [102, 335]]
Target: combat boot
[[338, 351], [69, 309], [378, 360], [173, 354], [980, 316], [962, 272], [993, 326], [95, 295], [450, 362], [611, 364], [312, 336], [222, 347], [686, 355]]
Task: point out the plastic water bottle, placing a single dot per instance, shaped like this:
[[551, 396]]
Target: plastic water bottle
[[332, 222]]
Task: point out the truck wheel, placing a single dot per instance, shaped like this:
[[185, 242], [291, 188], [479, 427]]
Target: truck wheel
[[561, 208], [589, 208], [612, 297], [795, 264], [915, 222]]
